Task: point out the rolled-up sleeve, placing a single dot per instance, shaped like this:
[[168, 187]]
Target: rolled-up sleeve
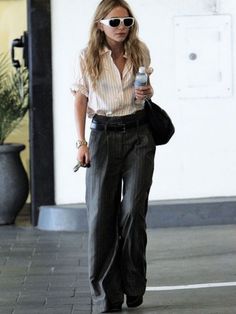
[[80, 81]]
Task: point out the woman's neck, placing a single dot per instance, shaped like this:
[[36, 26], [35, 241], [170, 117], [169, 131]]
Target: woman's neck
[[117, 49], [116, 54]]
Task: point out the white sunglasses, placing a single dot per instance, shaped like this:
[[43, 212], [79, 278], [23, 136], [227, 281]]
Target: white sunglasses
[[116, 21]]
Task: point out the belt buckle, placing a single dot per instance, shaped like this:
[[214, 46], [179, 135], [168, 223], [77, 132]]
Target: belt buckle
[[123, 127], [120, 127]]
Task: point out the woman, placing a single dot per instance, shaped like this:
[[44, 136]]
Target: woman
[[120, 155]]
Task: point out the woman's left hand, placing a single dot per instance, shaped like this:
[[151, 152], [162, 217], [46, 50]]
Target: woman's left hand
[[143, 92]]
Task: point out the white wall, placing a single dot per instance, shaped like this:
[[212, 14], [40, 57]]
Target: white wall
[[200, 160]]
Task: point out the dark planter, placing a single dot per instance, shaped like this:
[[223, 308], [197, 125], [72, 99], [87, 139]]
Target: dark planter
[[14, 184]]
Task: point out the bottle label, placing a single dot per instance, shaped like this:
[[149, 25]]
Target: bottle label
[[141, 80]]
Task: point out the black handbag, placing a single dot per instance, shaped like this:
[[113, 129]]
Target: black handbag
[[159, 122]]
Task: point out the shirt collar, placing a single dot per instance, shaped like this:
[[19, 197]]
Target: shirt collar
[[106, 50]]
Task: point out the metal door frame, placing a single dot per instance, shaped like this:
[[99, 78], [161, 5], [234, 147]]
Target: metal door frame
[[41, 106]]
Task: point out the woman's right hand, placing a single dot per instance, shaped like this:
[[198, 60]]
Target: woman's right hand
[[83, 155]]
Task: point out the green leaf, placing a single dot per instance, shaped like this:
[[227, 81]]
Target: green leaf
[[14, 97]]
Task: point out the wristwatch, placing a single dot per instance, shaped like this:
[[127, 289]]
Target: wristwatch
[[80, 143]]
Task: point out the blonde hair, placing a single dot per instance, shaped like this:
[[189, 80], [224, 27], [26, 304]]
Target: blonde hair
[[134, 47]]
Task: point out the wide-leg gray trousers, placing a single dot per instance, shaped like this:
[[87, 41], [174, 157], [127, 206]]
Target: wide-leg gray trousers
[[117, 188]]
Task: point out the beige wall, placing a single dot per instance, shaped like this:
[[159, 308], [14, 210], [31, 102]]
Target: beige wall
[[13, 22]]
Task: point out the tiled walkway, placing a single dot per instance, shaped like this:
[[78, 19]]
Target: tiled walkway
[[43, 272]]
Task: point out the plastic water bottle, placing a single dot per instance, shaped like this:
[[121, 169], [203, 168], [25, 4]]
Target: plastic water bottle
[[140, 80], [141, 77]]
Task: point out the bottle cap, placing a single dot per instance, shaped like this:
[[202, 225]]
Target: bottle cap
[[141, 69]]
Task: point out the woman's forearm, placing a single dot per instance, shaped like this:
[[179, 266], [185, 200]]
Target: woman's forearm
[[80, 107]]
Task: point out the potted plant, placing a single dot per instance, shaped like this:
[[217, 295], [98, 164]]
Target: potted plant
[[14, 186]]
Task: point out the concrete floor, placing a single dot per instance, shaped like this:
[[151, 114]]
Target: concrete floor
[[46, 272], [191, 256]]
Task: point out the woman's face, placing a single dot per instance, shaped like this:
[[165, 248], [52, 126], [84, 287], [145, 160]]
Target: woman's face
[[115, 34]]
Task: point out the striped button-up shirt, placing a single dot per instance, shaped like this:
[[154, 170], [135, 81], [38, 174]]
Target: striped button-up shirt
[[114, 93]]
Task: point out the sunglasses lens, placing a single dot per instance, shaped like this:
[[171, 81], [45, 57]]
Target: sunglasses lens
[[114, 22], [128, 22]]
